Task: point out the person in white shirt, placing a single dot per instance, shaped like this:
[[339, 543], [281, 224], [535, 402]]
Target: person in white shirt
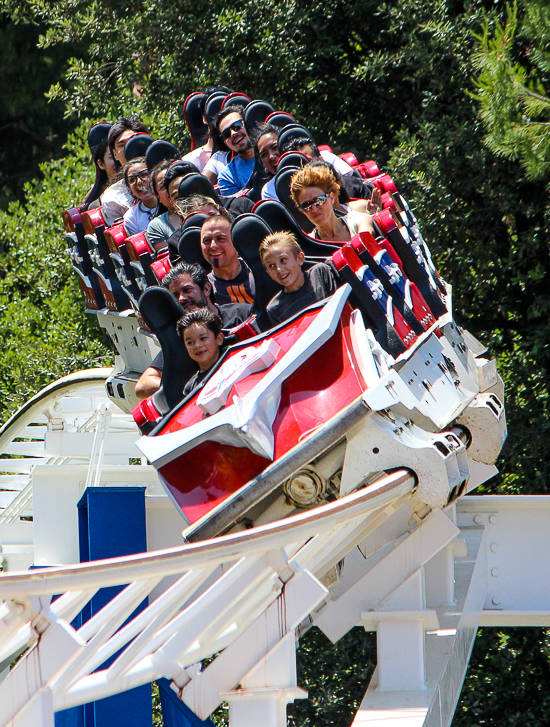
[[138, 180], [117, 198], [202, 155]]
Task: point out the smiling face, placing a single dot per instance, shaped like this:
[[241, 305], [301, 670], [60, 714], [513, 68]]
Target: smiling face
[[320, 214], [139, 180], [238, 141], [202, 344], [216, 244], [285, 267], [188, 293], [269, 152]]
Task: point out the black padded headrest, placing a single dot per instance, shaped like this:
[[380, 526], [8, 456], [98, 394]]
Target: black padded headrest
[[238, 205], [247, 233], [161, 311], [137, 145], [189, 247], [195, 219], [279, 219], [214, 105], [196, 183], [282, 187], [192, 113], [160, 151], [98, 133], [280, 119], [178, 169], [256, 113], [236, 99], [291, 132], [294, 159]]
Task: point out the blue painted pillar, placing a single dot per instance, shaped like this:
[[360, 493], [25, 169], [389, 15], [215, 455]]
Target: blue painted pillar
[[176, 713], [111, 523]]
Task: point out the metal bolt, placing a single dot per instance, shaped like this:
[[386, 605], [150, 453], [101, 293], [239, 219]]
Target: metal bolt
[[496, 601], [494, 548], [493, 519], [478, 519], [495, 572]]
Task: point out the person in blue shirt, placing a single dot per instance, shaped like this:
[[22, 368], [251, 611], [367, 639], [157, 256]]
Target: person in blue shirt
[[229, 124]]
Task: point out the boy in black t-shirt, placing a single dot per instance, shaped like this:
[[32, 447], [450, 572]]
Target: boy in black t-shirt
[[201, 331], [283, 259]]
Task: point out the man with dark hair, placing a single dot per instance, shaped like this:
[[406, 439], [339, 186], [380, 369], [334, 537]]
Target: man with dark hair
[[229, 124], [190, 285], [231, 278], [117, 198]]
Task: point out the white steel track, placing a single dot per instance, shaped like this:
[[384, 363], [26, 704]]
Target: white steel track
[[261, 585]]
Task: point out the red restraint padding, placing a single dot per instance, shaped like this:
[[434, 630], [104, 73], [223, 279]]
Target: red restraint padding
[[93, 219], [145, 412]]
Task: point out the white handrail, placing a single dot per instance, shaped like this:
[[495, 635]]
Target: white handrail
[[114, 571]]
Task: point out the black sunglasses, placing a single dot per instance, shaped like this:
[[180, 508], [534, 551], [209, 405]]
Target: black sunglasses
[[235, 126], [315, 202]]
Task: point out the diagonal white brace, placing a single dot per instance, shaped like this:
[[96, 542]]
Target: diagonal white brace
[[301, 595], [434, 533]]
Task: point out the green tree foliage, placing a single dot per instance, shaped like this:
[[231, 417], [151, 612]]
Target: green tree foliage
[[393, 81], [512, 84], [43, 332], [31, 129]]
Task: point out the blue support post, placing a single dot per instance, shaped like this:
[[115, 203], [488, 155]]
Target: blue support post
[[111, 523], [176, 713]]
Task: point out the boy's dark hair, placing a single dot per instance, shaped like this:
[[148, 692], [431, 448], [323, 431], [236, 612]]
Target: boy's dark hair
[[125, 123], [197, 274], [177, 169], [202, 316], [262, 130], [299, 143]]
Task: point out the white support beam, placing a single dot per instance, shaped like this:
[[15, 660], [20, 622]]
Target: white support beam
[[302, 593], [267, 689], [55, 649], [518, 557], [448, 650], [37, 712], [416, 549]]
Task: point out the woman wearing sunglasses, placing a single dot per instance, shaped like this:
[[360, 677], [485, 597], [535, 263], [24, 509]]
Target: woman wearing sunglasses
[[138, 180], [315, 190]]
